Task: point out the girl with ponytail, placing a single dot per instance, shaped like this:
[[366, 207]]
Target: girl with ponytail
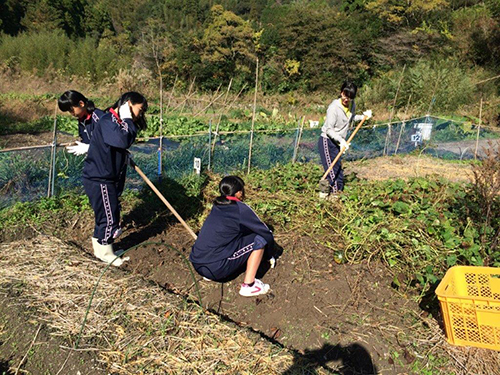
[[105, 168], [84, 110], [233, 237]]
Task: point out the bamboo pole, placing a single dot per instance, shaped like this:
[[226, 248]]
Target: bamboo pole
[[297, 141], [402, 125], [212, 101], [26, 148], [50, 190], [188, 96], [478, 127], [220, 116], [253, 115], [342, 149], [162, 198], [160, 147], [392, 112], [209, 144]]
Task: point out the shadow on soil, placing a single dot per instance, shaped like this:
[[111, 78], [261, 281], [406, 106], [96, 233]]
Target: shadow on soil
[[152, 217], [4, 368], [353, 359]]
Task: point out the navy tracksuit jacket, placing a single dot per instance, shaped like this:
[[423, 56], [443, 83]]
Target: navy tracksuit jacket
[[230, 231], [86, 127], [104, 172]]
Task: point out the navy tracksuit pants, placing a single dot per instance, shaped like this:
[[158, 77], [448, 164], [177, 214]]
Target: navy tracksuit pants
[[328, 151], [103, 198]]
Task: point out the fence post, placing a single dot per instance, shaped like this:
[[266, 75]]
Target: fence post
[[478, 127], [209, 144], [52, 169], [160, 147], [402, 125], [297, 139], [388, 135], [253, 115]]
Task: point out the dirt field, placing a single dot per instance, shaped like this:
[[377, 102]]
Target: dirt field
[[345, 319]]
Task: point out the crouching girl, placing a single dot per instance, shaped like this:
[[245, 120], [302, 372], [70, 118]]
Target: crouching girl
[[231, 237]]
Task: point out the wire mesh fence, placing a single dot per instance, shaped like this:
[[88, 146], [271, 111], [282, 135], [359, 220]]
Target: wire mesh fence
[[25, 174]]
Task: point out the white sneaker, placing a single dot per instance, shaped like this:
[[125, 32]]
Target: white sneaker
[[256, 289]]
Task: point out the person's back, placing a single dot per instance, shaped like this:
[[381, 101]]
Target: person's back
[[218, 238], [232, 237]]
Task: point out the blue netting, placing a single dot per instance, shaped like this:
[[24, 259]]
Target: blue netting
[[24, 175]]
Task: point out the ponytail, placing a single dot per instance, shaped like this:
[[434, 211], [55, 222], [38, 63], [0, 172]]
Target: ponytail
[[72, 98], [229, 186]]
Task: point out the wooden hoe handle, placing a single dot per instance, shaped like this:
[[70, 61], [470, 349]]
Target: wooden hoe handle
[[342, 149], [151, 185]]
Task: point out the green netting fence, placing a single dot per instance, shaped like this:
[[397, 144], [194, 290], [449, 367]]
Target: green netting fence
[[26, 174]]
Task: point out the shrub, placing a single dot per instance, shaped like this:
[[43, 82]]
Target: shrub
[[37, 52]]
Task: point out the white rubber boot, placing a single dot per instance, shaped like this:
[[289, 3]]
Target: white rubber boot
[[105, 253]]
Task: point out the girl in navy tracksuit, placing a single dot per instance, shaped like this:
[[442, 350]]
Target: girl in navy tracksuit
[[84, 110], [105, 168], [232, 236]]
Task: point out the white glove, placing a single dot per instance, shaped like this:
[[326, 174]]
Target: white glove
[[344, 144], [124, 111], [80, 148], [368, 114]]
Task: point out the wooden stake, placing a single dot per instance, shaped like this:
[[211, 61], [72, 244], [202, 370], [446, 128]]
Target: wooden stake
[[160, 148], [402, 125], [50, 190], [297, 143], [253, 115], [478, 127], [220, 116], [392, 112]]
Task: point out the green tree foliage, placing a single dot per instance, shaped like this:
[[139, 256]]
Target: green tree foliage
[[404, 12], [302, 44], [326, 42], [181, 15], [227, 45], [11, 12]]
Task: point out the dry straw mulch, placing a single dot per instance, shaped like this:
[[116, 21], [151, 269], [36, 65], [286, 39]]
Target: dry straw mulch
[[136, 327]]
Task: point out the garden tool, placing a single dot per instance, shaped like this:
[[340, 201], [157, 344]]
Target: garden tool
[[324, 186], [151, 185]]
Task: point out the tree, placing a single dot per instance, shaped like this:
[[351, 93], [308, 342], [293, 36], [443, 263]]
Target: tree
[[41, 15], [405, 12], [227, 44], [11, 13]]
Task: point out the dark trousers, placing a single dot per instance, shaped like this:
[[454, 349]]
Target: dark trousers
[[328, 151], [223, 269], [103, 198]]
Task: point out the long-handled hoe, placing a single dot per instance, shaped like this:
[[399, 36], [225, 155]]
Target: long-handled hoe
[[151, 185], [324, 185]]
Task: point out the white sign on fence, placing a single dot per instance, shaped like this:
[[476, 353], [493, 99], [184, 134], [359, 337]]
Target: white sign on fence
[[197, 165], [425, 130]]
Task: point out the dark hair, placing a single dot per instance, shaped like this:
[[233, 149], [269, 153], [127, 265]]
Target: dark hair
[[72, 98], [229, 186], [135, 98], [349, 89]]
